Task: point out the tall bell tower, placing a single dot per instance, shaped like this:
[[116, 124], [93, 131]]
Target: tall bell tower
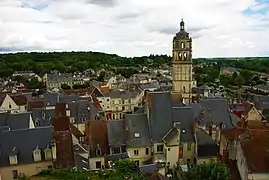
[[182, 64]]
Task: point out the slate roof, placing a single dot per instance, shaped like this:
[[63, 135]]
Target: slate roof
[[19, 120], [116, 157], [171, 134], [137, 124], [148, 169], [197, 109], [3, 119], [78, 148], [68, 98], [116, 132], [81, 163], [151, 85], [24, 143], [39, 117], [160, 115], [121, 94], [163, 115], [79, 110], [216, 111], [49, 114], [51, 99], [205, 87], [207, 147], [184, 115]]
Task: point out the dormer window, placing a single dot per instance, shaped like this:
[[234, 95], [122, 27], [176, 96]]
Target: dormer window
[[72, 120], [48, 153], [37, 155], [43, 114], [98, 150], [37, 122], [13, 160], [137, 135]]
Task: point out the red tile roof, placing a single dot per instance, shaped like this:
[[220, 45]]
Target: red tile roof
[[104, 89], [19, 99], [36, 104], [256, 150]]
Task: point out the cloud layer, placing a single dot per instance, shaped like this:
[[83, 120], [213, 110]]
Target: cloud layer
[[223, 28]]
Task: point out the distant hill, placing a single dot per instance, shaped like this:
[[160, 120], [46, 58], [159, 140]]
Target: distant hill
[[41, 62]]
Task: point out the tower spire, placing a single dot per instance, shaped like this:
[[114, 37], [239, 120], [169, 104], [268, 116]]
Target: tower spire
[[182, 25]]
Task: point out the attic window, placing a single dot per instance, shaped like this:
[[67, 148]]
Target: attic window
[[37, 122], [98, 152], [137, 135], [37, 155], [72, 120], [13, 159], [48, 153]]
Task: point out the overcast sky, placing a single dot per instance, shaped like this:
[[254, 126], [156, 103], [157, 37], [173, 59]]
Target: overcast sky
[[219, 28]]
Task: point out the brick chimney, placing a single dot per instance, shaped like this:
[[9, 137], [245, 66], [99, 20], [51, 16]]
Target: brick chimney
[[63, 138], [148, 98]]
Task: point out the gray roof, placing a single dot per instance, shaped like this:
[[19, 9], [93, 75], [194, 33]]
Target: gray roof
[[137, 124], [116, 132], [115, 157], [79, 110], [24, 143], [19, 121], [160, 115], [205, 87], [81, 163], [95, 112], [149, 168], [68, 98], [41, 117], [62, 78], [184, 115], [207, 147], [197, 109], [151, 85], [216, 111], [78, 148], [50, 99], [121, 94]]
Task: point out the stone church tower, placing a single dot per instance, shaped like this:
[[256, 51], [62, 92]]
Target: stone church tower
[[182, 64]]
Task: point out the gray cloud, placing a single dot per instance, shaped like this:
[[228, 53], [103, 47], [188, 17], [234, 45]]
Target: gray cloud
[[104, 3], [128, 16]]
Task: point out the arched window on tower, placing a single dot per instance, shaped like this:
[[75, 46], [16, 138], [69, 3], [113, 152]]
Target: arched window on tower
[[185, 56], [184, 89], [182, 45]]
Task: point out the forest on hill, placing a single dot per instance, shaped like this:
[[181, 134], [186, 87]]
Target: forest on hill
[[41, 62]]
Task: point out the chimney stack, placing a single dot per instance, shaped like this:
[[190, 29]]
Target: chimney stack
[[60, 109], [63, 138]]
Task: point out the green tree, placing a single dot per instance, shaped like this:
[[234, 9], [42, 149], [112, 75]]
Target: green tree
[[239, 80], [65, 86], [215, 171]]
